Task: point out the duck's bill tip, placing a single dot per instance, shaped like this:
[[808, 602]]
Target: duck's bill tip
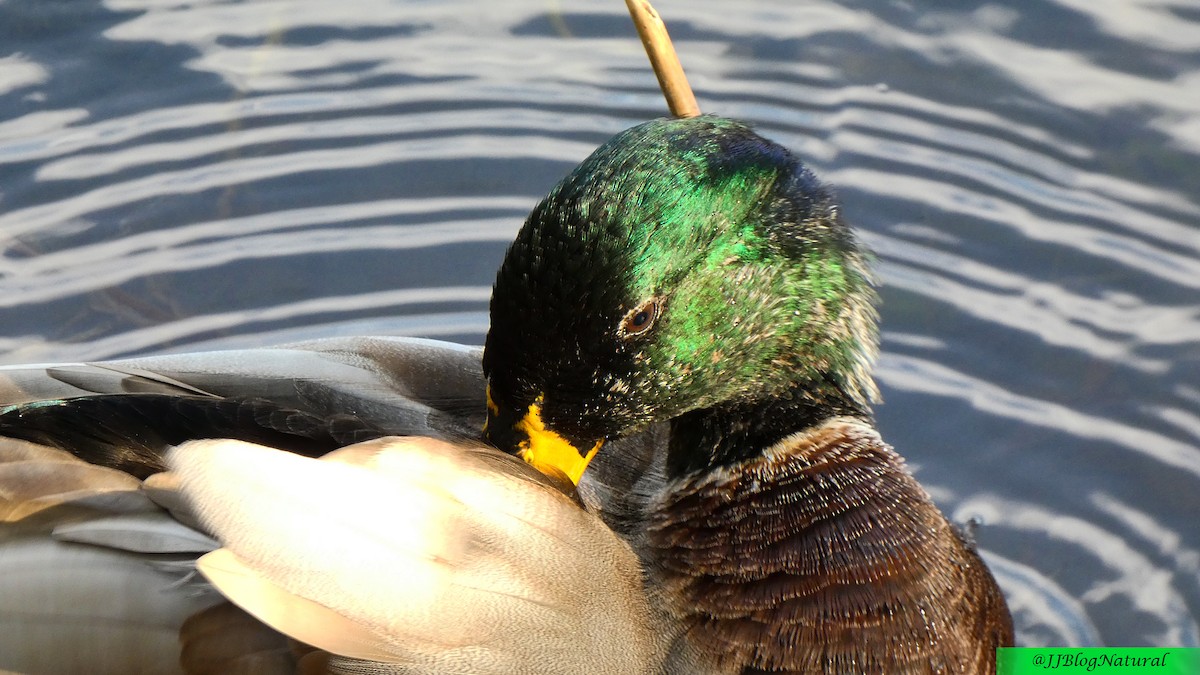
[[553, 455], [529, 438]]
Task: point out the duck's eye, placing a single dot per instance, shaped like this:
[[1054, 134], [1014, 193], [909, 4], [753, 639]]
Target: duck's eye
[[640, 318]]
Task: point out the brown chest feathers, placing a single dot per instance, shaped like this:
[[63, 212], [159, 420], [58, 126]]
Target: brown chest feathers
[[823, 555]]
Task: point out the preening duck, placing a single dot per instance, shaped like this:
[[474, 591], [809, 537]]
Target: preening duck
[[684, 328]]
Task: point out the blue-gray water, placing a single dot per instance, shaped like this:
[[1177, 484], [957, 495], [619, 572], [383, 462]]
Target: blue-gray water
[[180, 175]]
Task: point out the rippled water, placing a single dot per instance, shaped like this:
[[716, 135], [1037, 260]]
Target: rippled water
[[178, 175]]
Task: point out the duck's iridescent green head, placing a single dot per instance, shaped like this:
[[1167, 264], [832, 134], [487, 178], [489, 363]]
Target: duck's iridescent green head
[[686, 263]]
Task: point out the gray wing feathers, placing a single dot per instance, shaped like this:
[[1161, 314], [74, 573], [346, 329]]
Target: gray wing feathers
[[400, 385]]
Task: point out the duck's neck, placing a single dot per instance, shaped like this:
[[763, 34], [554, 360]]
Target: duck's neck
[[806, 546], [736, 431]]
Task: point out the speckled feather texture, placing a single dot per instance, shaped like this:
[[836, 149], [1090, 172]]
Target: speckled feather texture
[[848, 568]]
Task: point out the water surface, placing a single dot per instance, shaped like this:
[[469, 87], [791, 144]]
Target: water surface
[[191, 175]]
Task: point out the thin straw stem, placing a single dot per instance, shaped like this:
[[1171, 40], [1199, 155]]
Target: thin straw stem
[[672, 81]]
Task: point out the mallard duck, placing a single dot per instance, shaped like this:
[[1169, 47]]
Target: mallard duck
[[681, 342]]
